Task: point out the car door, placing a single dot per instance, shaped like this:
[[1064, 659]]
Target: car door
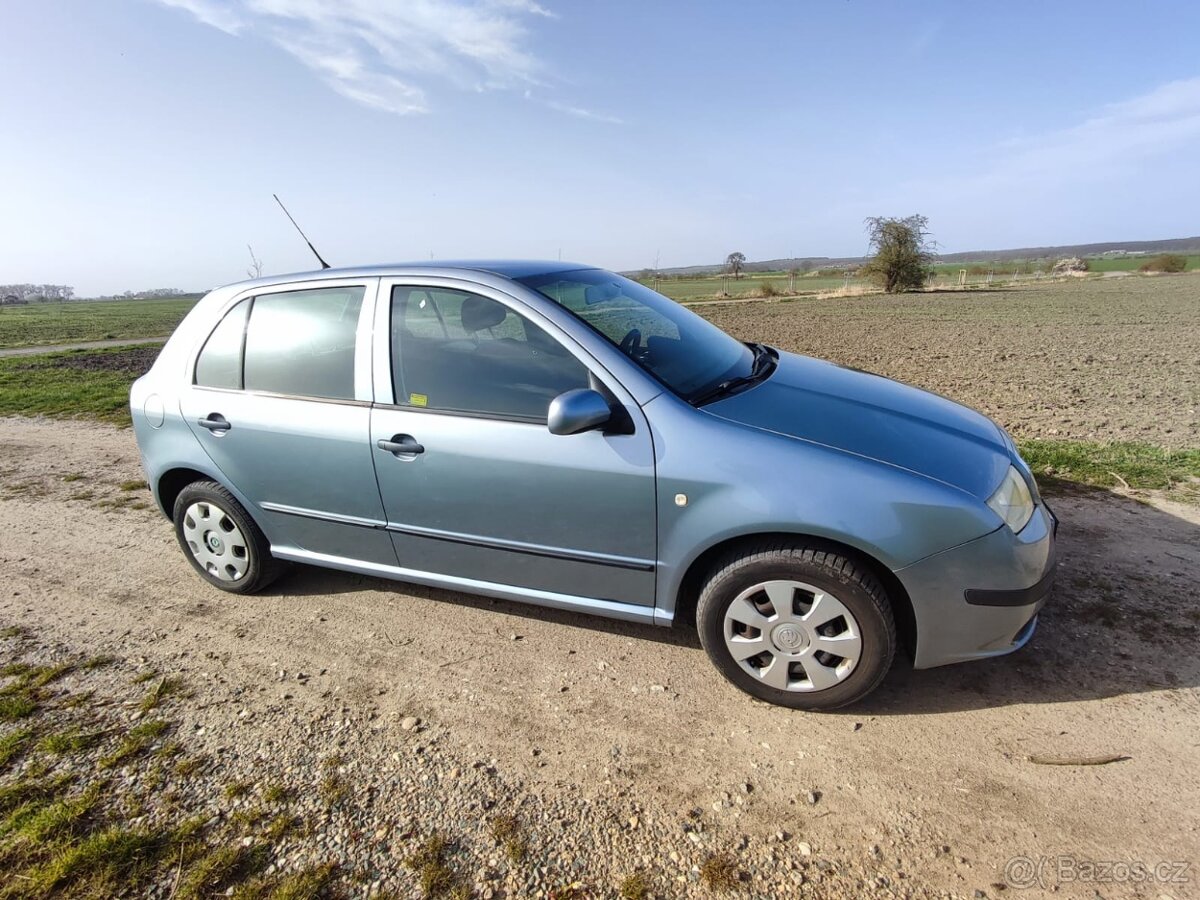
[[474, 485], [280, 399]]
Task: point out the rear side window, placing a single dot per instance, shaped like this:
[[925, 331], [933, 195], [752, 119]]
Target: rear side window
[[220, 362], [461, 352], [302, 343]]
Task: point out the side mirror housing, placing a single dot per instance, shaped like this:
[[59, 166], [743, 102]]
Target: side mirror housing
[[576, 411]]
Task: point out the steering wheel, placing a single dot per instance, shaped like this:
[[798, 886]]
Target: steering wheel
[[631, 344]]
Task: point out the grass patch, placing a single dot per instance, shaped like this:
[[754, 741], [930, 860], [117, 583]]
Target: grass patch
[[333, 788], [188, 766], [73, 740], [166, 687], [1107, 465], [276, 793], [135, 485], [105, 862], [635, 886], [72, 476], [720, 872], [222, 869], [13, 744], [139, 739], [12, 631], [308, 884], [99, 662], [17, 706], [236, 789], [433, 872], [508, 833], [143, 677]]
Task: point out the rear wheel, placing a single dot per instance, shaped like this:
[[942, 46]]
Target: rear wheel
[[221, 541], [797, 625]]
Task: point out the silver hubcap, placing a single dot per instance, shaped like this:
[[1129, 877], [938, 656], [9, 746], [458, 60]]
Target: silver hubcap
[[792, 636], [215, 541]]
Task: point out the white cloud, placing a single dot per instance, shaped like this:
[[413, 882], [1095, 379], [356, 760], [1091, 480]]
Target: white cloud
[[1120, 135], [211, 12], [580, 113], [386, 53]]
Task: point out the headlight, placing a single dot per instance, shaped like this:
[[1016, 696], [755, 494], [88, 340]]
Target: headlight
[[1012, 502]]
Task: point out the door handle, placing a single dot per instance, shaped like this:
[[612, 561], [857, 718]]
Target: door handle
[[400, 445], [215, 422]]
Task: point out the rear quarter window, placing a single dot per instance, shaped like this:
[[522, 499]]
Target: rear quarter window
[[220, 362]]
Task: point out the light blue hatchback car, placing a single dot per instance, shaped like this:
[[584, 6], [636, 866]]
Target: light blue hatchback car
[[562, 436]]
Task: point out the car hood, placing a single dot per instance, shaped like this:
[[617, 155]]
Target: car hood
[[875, 417]]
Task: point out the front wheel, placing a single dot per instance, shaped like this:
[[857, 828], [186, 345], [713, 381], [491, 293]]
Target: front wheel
[[797, 625], [221, 541]]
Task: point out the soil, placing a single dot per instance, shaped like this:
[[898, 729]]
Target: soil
[[929, 782], [1096, 359], [135, 361]]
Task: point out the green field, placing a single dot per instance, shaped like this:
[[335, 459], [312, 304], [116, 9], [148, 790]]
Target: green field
[[78, 383], [48, 324]]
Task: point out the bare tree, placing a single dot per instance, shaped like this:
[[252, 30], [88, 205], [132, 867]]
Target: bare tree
[[254, 270], [734, 262]]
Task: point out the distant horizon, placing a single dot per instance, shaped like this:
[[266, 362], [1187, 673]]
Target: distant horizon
[[1192, 242]]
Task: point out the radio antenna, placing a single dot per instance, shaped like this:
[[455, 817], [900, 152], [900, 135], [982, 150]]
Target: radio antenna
[[324, 265]]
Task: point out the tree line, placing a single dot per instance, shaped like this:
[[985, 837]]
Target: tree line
[[35, 293]]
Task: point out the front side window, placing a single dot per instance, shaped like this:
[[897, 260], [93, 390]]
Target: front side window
[[686, 353], [302, 342], [460, 352]]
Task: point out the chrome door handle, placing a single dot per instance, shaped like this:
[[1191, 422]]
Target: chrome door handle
[[215, 422], [400, 444]]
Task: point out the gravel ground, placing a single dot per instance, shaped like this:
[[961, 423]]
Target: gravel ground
[[615, 748], [364, 791]]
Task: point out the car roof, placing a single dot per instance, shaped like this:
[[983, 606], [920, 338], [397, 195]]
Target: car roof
[[505, 268]]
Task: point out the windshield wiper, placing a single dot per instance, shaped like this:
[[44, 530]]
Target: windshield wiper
[[764, 363]]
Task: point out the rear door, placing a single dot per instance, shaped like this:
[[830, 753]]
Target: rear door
[[280, 399], [474, 485]]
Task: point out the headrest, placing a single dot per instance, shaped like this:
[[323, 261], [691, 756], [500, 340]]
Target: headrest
[[479, 313]]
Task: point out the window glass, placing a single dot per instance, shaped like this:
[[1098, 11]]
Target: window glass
[[302, 342], [461, 352], [683, 351], [220, 362]]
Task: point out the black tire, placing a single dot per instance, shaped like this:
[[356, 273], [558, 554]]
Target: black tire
[[858, 590], [260, 567]]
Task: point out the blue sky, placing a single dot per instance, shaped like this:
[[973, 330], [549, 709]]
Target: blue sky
[[144, 138]]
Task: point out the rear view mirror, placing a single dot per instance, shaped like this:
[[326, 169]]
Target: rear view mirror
[[600, 293], [579, 410]]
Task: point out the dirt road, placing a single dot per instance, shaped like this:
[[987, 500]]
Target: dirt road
[[930, 780], [82, 345]]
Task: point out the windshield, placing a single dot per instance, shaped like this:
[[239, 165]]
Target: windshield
[[686, 353]]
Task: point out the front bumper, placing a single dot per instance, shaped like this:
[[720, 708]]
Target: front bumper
[[981, 599]]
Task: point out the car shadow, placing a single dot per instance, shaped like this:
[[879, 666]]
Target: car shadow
[[1124, 617]]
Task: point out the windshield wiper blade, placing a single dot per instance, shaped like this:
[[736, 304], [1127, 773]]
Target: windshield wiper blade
[[762, 367]]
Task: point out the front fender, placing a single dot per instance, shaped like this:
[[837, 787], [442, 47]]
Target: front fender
[[718, 481]]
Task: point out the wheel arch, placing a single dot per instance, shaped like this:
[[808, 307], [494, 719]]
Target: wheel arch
[[172, 482], [692, 582]]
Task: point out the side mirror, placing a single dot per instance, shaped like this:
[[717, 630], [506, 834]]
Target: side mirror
[[579, 410]]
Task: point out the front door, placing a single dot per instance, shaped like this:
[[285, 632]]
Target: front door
[[275, 405], [474, 485]]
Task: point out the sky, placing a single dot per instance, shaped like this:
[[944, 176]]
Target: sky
[[143, 139]]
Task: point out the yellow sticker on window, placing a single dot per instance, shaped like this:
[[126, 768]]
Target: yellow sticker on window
[[418, 400]]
